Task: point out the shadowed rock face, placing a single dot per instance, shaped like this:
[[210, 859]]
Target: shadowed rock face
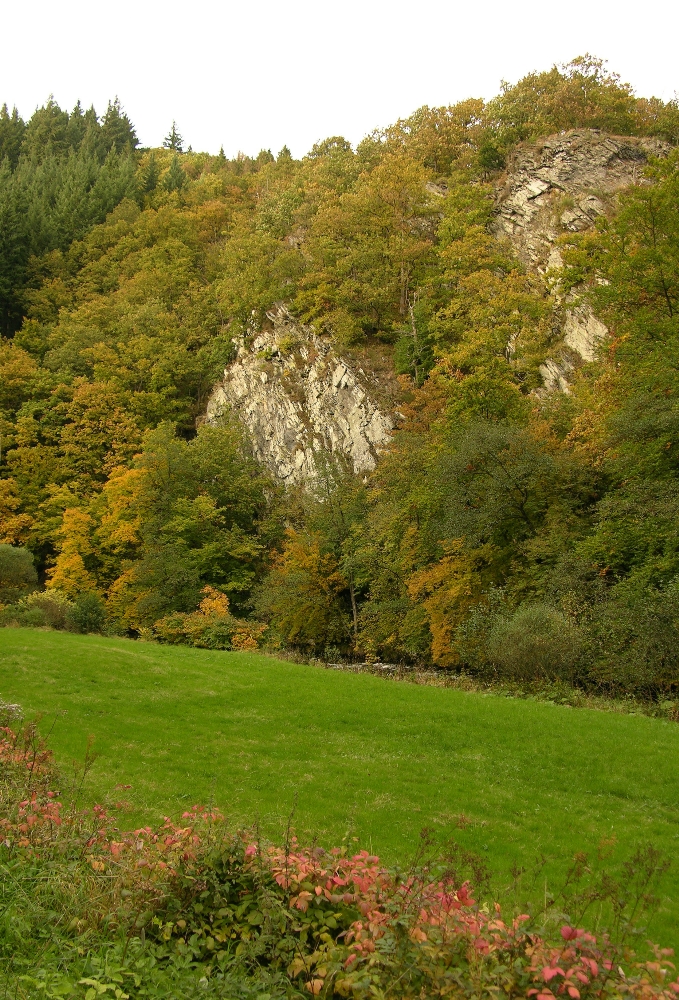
[[297, 397], [561, 184]]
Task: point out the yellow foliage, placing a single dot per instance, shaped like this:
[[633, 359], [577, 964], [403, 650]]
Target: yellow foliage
[[14, 528], [214, 602], [446, 590], [211, 626], [70, 573]]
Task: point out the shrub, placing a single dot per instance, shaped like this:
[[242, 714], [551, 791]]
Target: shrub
[[17, 573], [535, 642], [87, 614], [212, 626], [53, 604], [636, 637]]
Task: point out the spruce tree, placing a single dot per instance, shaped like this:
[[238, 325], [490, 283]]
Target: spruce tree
[[77, 126], [12, 129], [175, 178], [47, 131], [173, 140], [117, 131], [151, 174]]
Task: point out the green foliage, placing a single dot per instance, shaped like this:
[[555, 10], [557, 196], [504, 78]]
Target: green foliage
[[17, 572], [174, 140], [536, 642], [86, 614], [175, 178], [185, 516], [12, 129], [581, 94]]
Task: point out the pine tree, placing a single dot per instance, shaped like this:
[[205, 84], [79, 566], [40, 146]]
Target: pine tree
[[174, 140]]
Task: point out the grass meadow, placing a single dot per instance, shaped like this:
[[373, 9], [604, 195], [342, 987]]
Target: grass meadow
[[353, 756]]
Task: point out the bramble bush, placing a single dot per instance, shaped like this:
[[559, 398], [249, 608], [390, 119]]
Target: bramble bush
[[193, 907]]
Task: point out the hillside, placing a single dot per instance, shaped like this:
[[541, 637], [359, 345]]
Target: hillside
[[413, 401]]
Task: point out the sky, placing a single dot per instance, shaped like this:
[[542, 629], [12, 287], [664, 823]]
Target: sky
[[267, 73]]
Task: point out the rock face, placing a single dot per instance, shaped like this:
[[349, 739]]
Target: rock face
[[297, 397], [561, 184]]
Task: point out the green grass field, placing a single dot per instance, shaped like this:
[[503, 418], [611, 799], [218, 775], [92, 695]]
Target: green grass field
[[360, 756]]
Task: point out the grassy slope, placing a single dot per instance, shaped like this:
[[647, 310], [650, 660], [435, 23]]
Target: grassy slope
[[364, 757]]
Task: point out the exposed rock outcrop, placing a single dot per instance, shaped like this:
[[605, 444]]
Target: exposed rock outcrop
[[297, 397], [561, 184]]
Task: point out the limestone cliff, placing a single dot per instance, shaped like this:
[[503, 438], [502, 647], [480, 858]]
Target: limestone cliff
[[297, 397]]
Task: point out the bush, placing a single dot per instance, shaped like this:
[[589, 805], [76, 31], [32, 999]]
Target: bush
[[636, 642], [536, 642], [17, 573], [212, 626], [87, 614], [54, 606]]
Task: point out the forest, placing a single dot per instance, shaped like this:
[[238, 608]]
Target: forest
[[506, 532]]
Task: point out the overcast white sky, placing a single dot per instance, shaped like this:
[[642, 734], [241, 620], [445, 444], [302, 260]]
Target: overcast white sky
[[262, 74]]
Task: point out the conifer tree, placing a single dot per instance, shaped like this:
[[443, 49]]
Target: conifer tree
[[151, 174], [117, 130], [174, 140], [12, 129], [175, 178], [77, 126], [47, 131]]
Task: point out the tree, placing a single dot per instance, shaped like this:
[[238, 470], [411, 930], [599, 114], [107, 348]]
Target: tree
[[73, 573], [580, 94], [17, 573], [150, 174], [12, 131], [47, 132], [186, 516], [301, 596], [175, 179], [14, 526], [117, 131], [366, 250], [173, 140]]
